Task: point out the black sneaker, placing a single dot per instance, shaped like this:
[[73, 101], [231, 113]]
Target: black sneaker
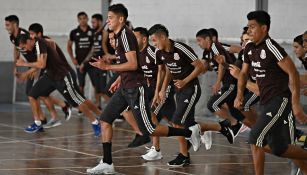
[[139, 140], [67, 111], [44, 121], [236, 128], [227, 131], [179, 161]]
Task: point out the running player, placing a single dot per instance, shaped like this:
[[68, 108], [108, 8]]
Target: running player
[[57, 76], [131, 92], [275, 72]]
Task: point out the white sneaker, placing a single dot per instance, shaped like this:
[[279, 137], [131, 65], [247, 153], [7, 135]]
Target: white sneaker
[[152, 154], [102, 168], [195, 137], [206, 139]]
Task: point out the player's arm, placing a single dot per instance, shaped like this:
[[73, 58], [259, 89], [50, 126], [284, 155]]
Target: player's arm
[[198, 69], [70, 52], [39, 64], [242, 80], [104, 42]]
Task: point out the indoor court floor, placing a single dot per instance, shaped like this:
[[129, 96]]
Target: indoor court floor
[[71, 148]]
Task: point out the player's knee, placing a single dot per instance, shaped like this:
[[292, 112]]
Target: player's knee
[[279, 150], [105, 125]]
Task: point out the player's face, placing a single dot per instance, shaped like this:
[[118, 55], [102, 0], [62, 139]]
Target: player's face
[[245, 39], [298, 50], [305, 41], [26, 46], [95, 23], [114, 20], [33, 34], [158, 41], [140, 39], [203, 43], [10, 27], [83, 20], [256, 31], [112, 40]]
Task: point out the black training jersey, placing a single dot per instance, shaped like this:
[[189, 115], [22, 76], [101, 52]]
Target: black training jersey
[[263, 59], [15, 40], [83, 42], [218, 49], [178, 60], [97, 43], [126, 42], [149, 65], [304, 61]]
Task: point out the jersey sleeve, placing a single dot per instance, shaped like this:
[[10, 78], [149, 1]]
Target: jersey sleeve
[[41, 47], [187, 51], [246, 52], [158, 57], [278, 52], [72, 35], [129, 41]]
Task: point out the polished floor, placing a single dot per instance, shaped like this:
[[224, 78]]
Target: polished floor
[[71, 148]]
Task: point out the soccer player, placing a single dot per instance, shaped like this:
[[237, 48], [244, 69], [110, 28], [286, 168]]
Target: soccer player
[[273, 131], [131, 92]]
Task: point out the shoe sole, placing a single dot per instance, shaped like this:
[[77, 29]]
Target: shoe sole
[[98, 173], [52, 126], [151, 159], [233, 137], [39, 130], [181, 165], [239, 131], [69, 115]]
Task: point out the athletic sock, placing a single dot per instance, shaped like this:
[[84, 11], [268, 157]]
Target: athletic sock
[[107, 152], [37, 122], [179, 132], [95, 122]]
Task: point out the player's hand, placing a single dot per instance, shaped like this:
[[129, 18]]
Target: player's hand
[[238, 103], [109, 58], [220, 59], [155, 100], [74, 61], [162, 97], [216, 87], [22, 76], [179, 83], [304, 92], [299, 113], [33, 74], [81, 68], [234, 71], [114, 86], [20, 62], [99, 63]]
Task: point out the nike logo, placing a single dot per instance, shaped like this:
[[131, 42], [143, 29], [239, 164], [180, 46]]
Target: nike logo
[[250, 52], [285, 122], [186, 101], [136, 107], [65, 91]]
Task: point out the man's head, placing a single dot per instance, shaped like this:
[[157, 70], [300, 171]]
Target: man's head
[[258, 25], [117, 16], [298, 47], [142, 36], [305, 41], [11, 23], [25, 42], [159, 36], [214, 34], [82, 19], [204, 39], [112, 39], [97, 21], [36, 30]]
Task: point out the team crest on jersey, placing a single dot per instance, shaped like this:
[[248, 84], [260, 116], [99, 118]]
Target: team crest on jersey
[[77, 33], [262, 54], [89, 33], [176, 56], [250, 52], [162, 58], [147, 60], [99, 38]]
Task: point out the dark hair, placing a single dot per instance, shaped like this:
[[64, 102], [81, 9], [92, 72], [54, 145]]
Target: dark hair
[[81, 14], [213, 32], [299, 39], [245, 29], [119, 9], [143, 31], [305, 33], [262, 17], [203, 33], [36, 28], [97, 16], [158, 29], [22, 38], [12, 18]]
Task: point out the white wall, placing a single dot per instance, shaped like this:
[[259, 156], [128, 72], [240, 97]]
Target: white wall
[[57, 17]]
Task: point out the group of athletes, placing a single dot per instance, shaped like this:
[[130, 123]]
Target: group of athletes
[[148, 83]]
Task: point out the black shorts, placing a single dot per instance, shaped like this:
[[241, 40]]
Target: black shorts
[[137, 100], [226, 95], [250, 99], [98, 78], [274, 126], [168, 108], [67, 87], [186, 100]]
